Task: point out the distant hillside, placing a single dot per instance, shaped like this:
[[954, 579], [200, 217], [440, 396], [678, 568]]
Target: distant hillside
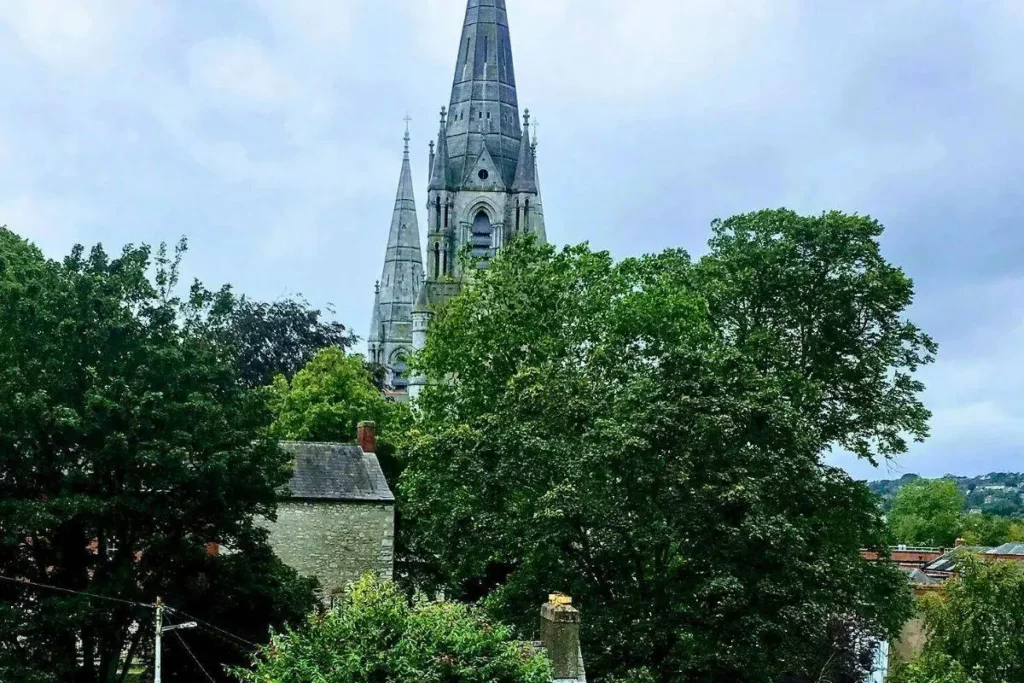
[[1000, 493]]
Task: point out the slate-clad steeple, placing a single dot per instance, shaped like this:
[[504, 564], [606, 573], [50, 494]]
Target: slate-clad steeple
[[439, 173], [526, 172], [484, 187], [484, 109], [390, 338]]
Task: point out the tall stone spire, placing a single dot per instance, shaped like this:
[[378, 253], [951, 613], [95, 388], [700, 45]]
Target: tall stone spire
[[484, 109], [484, 187], [390, 338]]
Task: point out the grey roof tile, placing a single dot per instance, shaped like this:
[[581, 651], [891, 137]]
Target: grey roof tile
[[335, 472]]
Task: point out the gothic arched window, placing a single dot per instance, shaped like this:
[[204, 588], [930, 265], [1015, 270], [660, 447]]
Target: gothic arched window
[[444, 263], [399, 369], [445, 212], [437, 259], [437, 213], [526, 216], [482, 238]]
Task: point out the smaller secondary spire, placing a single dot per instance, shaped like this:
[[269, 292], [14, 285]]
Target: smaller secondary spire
[[526, 172], [439, 174]]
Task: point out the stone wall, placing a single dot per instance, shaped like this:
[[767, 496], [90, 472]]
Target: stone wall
[[337, 542]]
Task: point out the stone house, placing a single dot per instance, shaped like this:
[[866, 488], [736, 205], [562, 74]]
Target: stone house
[[336, 518]]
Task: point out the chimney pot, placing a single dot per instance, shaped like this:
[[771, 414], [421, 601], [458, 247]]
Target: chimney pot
[[560, 636], [366, 435]]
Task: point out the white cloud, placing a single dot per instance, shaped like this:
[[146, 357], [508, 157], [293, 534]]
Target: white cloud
[[327, 23], [83, 36], [239, 69]]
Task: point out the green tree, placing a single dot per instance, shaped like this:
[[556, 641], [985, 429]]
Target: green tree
[[975, 623], [615, 432], [812, 301], [931, 669], [279, 338], [127, 443], [986, 530], [376, 635], [327, 399], [928, 512]]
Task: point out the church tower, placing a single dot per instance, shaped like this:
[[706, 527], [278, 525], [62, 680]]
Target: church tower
[[390, 338], [483, 187]]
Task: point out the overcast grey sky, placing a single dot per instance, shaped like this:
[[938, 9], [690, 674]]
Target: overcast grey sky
[[270, 133]]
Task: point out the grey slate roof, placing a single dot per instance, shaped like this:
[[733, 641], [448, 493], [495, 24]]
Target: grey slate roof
[[484, 108], [947, 562], [1007, 549], [335, 472], [919, 577]]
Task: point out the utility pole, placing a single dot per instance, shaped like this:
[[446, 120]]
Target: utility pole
[[159, 637], [160, 631]]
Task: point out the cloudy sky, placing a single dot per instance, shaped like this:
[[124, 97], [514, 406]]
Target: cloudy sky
[[270, 133]]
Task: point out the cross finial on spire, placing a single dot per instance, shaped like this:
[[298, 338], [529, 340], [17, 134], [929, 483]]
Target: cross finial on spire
[[407, 120], [526, 117], [376, 287], [444, 114]]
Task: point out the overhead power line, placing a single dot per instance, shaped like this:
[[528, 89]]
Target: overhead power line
[[192, 654], [216, 629], [94, 596]]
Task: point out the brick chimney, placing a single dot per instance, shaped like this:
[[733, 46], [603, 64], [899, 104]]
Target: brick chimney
[[560, 636], [366, 435]]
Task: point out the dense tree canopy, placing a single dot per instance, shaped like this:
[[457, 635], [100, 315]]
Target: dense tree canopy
[[327, 399], [928, 512], [648, 435], [127, 443], [279, 338], [974, 626], [376, 635]]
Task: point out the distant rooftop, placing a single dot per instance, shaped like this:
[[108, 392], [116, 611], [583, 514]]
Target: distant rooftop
[[1007, 549], [335, 472]]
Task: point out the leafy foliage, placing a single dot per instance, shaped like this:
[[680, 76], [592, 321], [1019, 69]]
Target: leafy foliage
[[376, 635], [928, 512], [127, 443], [989, 530], [327, 399], [280, 338], [812, 299], [648, 435], [995, 494], [974, 626], [931, 669]]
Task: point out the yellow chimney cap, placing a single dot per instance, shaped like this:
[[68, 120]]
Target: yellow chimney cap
[[558, 599]]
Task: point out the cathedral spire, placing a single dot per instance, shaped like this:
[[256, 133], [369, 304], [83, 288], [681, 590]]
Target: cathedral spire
[[484, 109], [391, 333]]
